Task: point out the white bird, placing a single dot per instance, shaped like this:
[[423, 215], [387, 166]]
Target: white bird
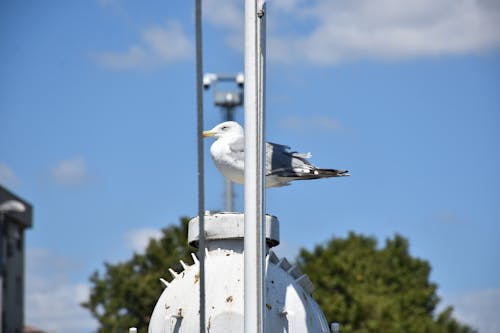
[[282, 165]]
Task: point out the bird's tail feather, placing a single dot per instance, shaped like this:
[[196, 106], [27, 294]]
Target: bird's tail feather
[[332, 173], [302, 174]]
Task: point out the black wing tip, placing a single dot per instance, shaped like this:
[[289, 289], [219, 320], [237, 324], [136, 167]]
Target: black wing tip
[[344, 173], [333, 172]]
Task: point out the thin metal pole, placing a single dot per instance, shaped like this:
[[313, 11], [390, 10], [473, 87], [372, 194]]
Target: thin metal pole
[[201, 181], [2, 268], [228, 185], [254, 168], [228, 196]]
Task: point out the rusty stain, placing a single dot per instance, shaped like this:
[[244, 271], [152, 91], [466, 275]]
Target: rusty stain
[[229, 299], [179, 313], [196, 277], [209, 324]]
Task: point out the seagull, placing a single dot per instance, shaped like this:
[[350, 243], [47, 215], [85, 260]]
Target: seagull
[[282, 165]]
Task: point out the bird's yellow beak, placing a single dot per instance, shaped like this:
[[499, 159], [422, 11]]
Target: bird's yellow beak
[[207, 134]]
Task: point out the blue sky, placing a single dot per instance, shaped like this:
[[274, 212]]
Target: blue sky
[[97, 110]]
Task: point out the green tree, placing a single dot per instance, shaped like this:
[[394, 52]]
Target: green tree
[[370, 289], [126, 293], [364, 288]]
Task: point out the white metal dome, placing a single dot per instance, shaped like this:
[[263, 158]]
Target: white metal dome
[[289, 305]]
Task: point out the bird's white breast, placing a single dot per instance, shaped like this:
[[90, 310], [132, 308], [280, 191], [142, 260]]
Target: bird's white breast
[[229, 164]]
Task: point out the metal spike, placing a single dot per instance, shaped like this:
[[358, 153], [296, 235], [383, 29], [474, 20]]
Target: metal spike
[[183, 264], [273, 258], [284, 264], [164, 282], [195, 259], [295, 272], [306, 283], [174, 273]]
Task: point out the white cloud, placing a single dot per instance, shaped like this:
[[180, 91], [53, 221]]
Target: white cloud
[[159, 46], [7, 176], [286, 5], [478, 309], [52, 301], [227, 15], [72, 171], [64, 313], [138, 239], [389, 29], [325, 32]]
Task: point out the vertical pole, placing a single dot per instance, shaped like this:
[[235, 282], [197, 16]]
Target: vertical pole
[[228, 196], [228, 185], [254, 167], [2, 269], [201, 182]]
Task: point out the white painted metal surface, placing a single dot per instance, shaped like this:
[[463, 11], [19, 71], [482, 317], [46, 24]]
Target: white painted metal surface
[[226, 230], [254, 167], [288, 305]]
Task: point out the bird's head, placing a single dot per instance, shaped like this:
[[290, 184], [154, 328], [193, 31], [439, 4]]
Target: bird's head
[[228, 128]]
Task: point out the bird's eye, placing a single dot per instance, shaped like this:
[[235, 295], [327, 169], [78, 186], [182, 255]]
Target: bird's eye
[[224, 128]]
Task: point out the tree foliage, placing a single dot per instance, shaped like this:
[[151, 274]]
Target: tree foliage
[[126, 293], [370, 289], [364, 288]]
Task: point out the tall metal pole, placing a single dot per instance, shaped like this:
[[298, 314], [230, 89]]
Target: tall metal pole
[[228, 185], [254, 167], [201, 182]]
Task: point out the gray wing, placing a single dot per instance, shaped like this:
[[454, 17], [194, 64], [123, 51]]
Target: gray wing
[[281, 162], [287, 165]]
